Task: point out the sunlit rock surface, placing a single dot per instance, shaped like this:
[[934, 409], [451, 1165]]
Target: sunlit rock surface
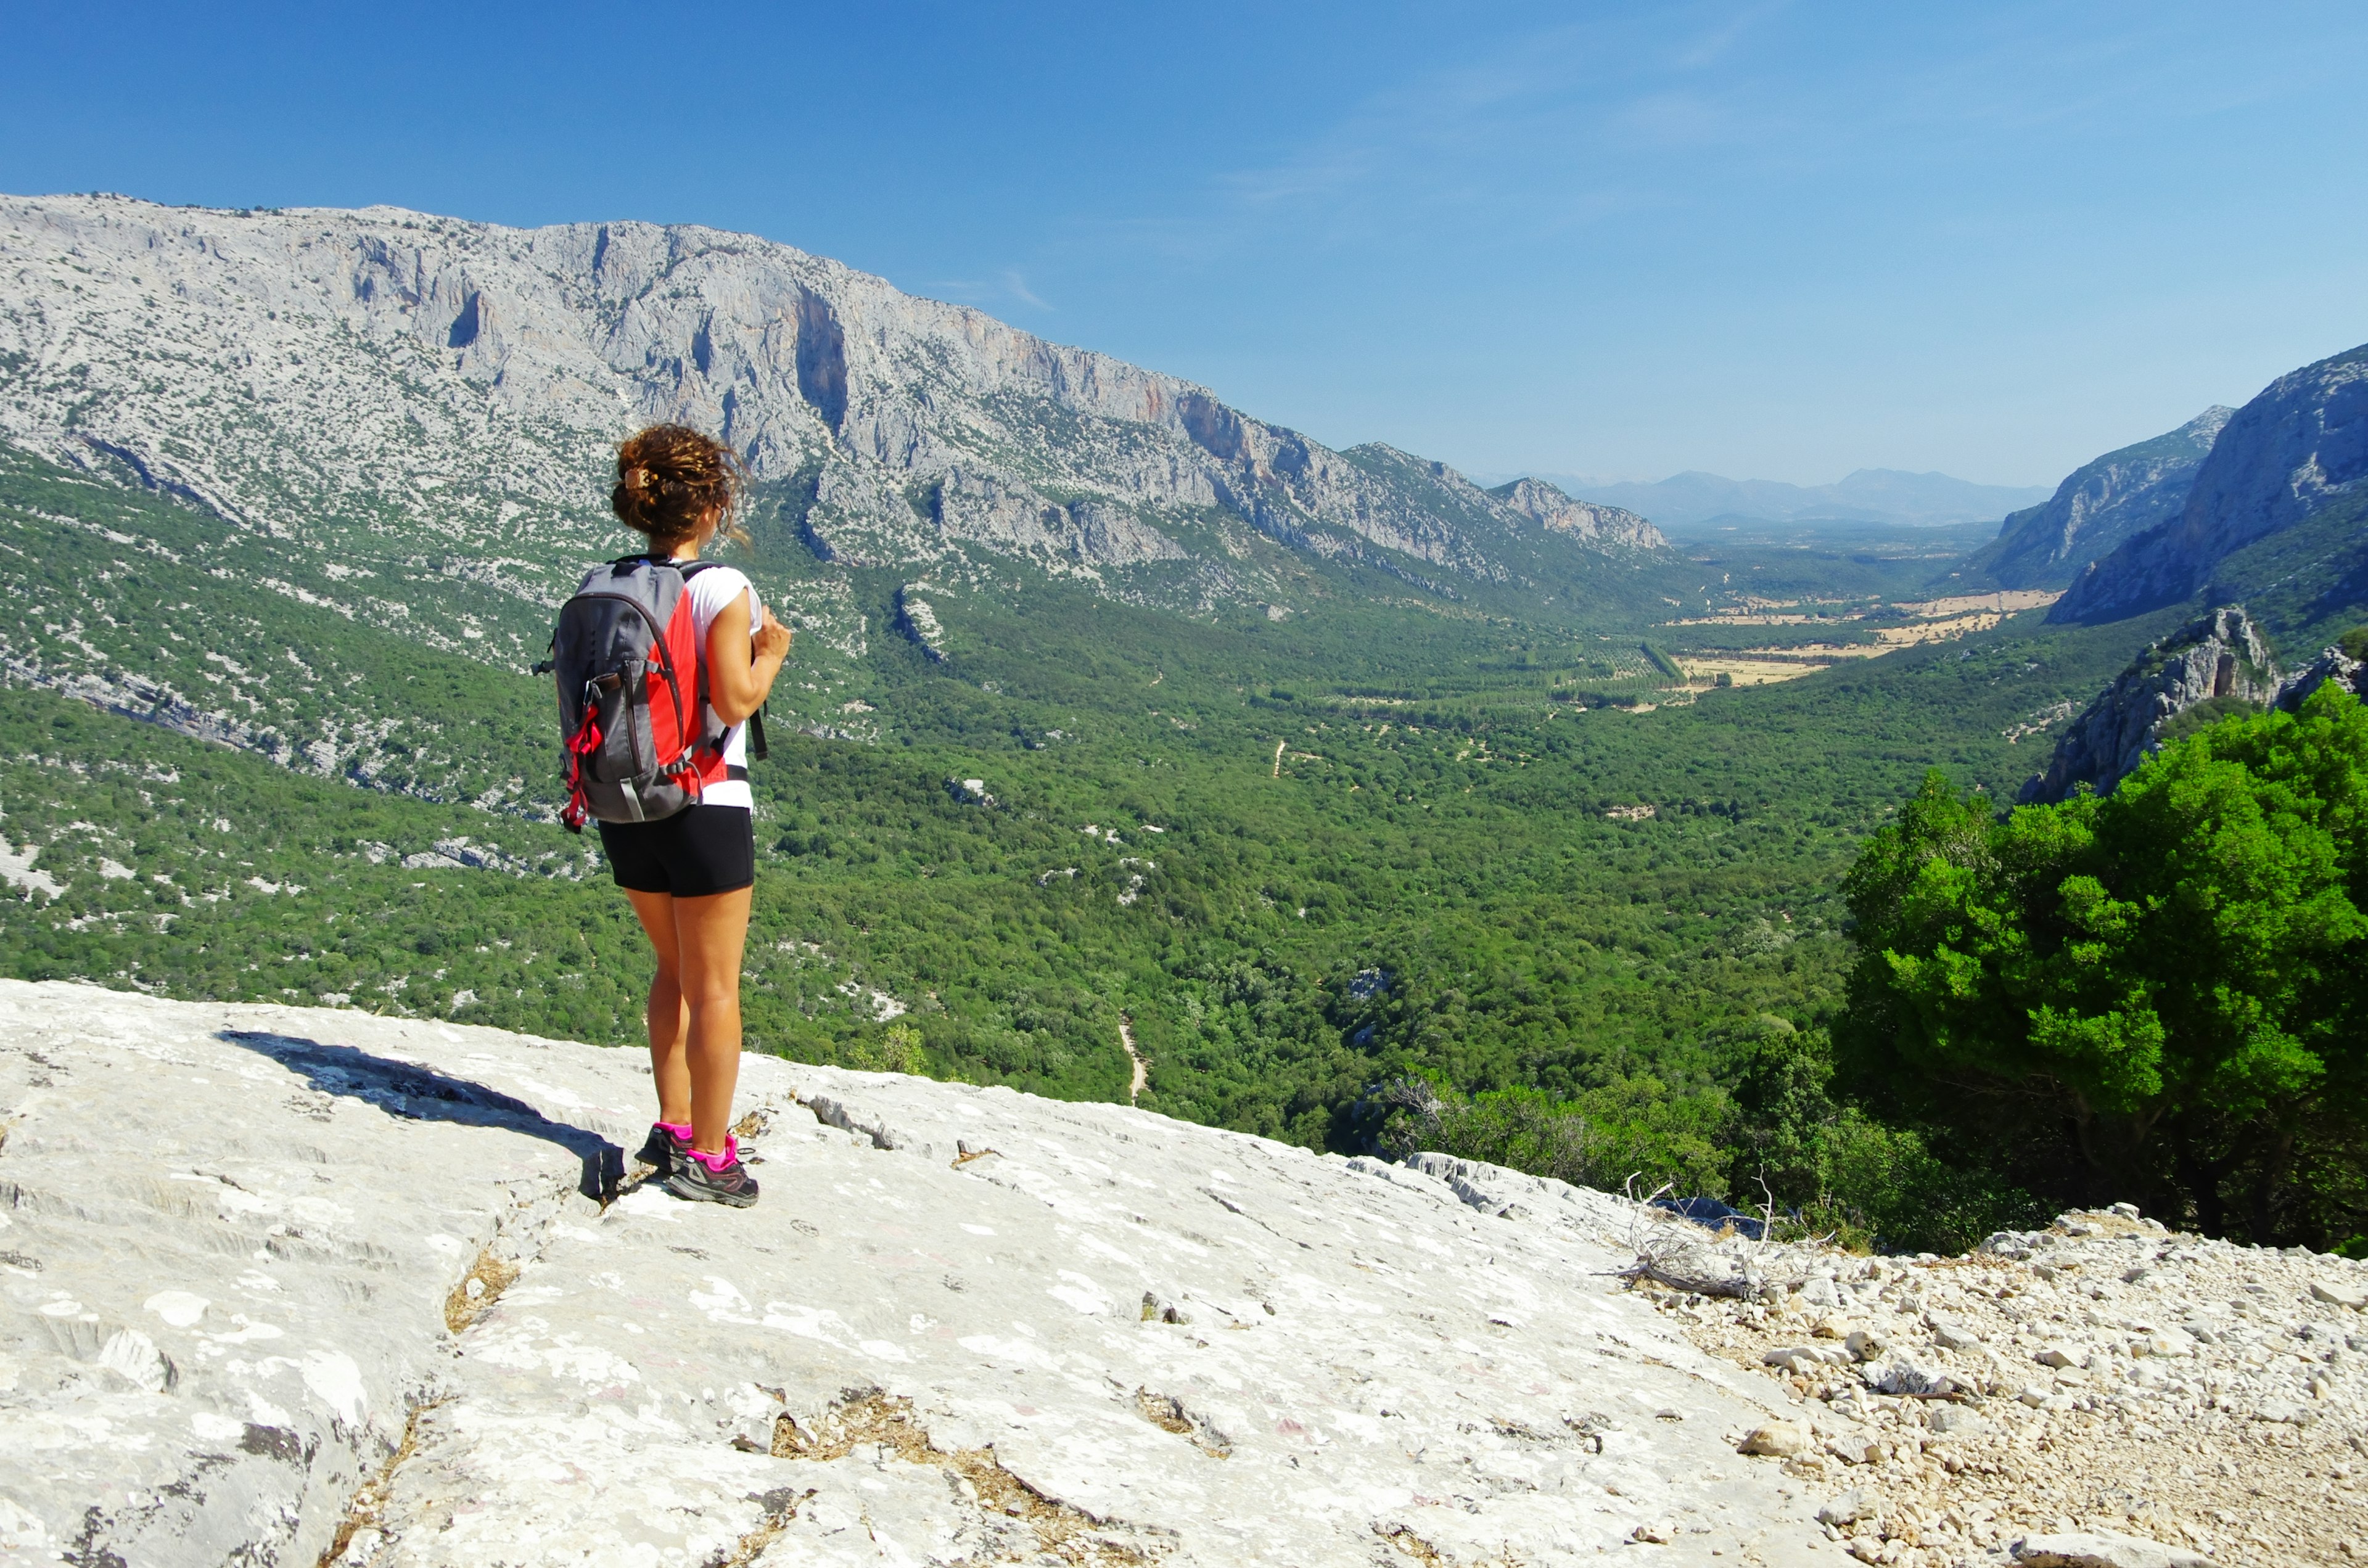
[[2298, 447], [278, 1282], [2222, 656], [329, 375]]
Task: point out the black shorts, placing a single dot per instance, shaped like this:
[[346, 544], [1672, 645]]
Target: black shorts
[[697, 851]]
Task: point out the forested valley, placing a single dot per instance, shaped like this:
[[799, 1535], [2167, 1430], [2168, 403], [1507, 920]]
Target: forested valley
[[1379, 872]]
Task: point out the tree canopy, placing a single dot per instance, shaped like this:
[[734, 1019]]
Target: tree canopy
[[2155, 994]]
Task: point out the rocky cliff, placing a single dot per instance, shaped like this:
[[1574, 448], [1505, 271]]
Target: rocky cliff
[[2344, 664], [2097, 506], [1548, 507], [357, 378], [2297, 449], [2222, 658], [303, 1286]]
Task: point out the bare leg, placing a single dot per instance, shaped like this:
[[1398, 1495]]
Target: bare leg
[[710, 934], [668, 1016]]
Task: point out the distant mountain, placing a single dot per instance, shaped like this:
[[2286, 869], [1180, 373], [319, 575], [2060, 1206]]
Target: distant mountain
[[1550, 508], [428, 401], [2099, 504], [2277, 509], [1870, 495]]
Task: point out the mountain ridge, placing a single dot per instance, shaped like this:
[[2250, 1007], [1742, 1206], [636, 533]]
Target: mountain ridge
[[349, 377], [2101, 504], [1870, 494], [2296, 451]]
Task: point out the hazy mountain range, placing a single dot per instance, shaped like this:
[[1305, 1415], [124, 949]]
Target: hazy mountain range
[[390, 387], [2277, 513], [2100, 503], [423, 406], [1872, 494]]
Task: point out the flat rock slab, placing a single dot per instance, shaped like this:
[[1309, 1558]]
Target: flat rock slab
[[282, 1285]]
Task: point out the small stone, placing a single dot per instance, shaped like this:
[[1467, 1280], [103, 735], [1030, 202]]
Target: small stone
[[1957, 1421], [1656, 1533], [2340, 1295], [1803, 1358], [2102, 1548], [1831, 1327], [2060, 1355], [1855, 1449], [1951, 1335], [1846, 1509], [1903, 1376], [1777, 1439]]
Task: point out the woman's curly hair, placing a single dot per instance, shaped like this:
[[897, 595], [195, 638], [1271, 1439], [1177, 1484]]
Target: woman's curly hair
[[669, 477]]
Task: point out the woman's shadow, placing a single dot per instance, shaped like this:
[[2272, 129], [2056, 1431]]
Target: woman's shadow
[[422, 1094]]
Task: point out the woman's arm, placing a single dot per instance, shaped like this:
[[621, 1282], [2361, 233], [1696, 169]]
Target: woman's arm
[[739, 676]]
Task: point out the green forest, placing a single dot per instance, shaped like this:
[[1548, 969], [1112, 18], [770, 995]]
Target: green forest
[[1384, 869]]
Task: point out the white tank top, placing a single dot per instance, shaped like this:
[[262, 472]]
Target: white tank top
[[712, 592]]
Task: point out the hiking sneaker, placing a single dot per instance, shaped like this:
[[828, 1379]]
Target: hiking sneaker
[[702, 1179], [665, 1149]]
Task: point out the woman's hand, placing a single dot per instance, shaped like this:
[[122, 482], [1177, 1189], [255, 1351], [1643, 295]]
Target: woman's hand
[[772, 641], [742, 663]]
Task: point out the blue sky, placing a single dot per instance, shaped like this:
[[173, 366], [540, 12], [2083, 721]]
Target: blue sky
[[1770, 240]]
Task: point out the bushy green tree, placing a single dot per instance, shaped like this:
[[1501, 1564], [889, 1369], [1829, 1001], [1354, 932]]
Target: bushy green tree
[[1837, 1170], [2157, 995]]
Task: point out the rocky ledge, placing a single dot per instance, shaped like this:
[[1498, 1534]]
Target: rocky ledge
[[2103, 1392], [313, 1287], [2222, 658]]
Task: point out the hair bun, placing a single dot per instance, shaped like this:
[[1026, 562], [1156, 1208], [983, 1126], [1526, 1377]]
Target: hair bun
[[670, 479]]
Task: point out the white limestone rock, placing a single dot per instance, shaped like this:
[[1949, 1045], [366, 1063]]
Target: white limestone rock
[[461, 383], [2102, 1549], [1548, 507], [234, 1288], [2100, 503], [2291, 451], [2221, 655]]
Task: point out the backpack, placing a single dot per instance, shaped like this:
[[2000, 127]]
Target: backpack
[[632, 696]]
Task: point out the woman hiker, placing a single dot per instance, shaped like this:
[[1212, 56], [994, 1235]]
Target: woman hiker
[[689, 875]]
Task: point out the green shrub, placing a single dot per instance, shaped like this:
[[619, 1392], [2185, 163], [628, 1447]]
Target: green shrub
[[2159, 995]]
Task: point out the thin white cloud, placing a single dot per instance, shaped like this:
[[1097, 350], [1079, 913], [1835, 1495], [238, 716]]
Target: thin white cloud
[[1006, 288], [1017, 287], [1708, 48]]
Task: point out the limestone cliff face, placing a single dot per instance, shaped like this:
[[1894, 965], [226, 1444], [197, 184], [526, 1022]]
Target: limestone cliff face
[[383, 1293], [2099, 505], [1550, 508], [2222, 655], [2299, 446], [2333, 665], [312, 371]]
